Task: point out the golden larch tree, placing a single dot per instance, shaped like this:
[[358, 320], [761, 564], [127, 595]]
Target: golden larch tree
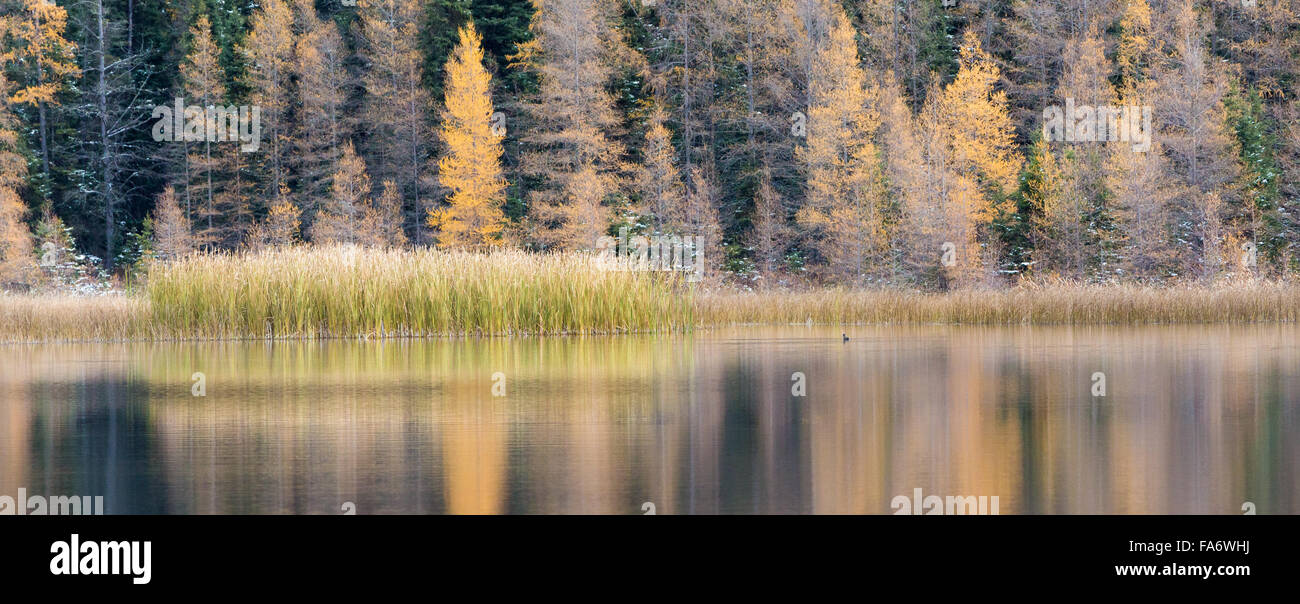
[[971, 162], [279, 228], [1136, 49], [471, 164], [660, 183], [42, 58], [700, 218], [843, 214], [269, 50], [1189, 108], [17, 264], [340, 220], [398, 105], [16, 260], [574, 150], [767, 236], [905, 168], [203, 83], [172, 235], [324, 84], [1145, 196], [383, 218]]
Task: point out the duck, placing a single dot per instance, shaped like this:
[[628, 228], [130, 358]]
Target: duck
[[845, 336]]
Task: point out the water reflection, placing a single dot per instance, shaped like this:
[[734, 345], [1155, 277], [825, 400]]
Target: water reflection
[[1196, 419]]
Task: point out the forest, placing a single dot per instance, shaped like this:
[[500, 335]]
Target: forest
[[931, 144]]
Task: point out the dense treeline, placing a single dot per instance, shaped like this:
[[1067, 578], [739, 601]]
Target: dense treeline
[[853, 141]]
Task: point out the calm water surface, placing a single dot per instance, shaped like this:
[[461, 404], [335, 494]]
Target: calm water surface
[[1195, 419]]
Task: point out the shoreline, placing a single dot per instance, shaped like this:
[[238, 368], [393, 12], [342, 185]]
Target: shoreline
[[125, 318]]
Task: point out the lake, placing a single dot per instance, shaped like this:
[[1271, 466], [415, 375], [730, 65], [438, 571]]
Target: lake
[[1050, 420]]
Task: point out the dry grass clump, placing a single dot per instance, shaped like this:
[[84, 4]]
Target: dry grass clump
[[349, 291]]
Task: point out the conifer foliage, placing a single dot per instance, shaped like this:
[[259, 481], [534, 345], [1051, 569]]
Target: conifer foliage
[[471, 166], [855, 143]]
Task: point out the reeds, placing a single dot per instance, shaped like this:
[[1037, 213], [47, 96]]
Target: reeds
[[355, 292], [359, 293], [47, 318], [1056, 304]]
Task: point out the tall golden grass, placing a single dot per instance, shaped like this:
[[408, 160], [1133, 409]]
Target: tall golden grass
[[352, 292], [45, 318]]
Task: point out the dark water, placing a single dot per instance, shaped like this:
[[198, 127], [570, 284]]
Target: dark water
[[1195, 419]]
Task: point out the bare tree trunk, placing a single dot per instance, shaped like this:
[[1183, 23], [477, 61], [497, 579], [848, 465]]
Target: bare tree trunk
[[185, 148], [749, 85], [106, 184], [207, 168], [685, 20], [45, 145], [414, 118]]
